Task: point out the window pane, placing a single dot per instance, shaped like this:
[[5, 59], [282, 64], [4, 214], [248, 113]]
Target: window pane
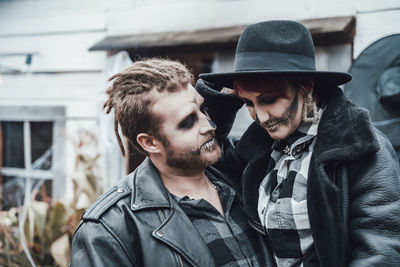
[[12, 191], [41, 141], [206, 65], [12, 140]]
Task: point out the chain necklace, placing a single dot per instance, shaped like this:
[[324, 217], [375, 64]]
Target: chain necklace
[[213, 185], [297, 149]]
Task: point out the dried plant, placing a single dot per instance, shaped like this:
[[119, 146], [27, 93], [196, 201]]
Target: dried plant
[[39, 233]]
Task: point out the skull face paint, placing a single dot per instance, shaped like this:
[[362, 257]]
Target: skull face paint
[[277, 106], [187, 132]]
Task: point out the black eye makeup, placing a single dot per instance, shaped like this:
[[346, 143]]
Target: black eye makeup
[[266, 99], [188, 122]]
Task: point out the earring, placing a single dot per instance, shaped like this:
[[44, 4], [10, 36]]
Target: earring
[[310, 103]]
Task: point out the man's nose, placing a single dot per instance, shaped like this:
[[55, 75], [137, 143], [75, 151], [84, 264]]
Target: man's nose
[[207, 125]]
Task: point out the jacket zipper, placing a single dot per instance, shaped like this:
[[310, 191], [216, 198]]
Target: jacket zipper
[[177, 254]]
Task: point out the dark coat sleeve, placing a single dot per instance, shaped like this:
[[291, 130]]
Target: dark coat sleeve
[[94, 245], [231, 164], [375, 209], [236, 153], [222, 109]]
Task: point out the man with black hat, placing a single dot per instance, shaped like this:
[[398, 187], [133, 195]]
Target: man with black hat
[[317, 178]]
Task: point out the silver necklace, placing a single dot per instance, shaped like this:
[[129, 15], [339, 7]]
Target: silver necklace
[[297, 149], [213, 185]]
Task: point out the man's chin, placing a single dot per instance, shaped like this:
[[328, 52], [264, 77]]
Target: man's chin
[[214, 155], [195, 160]]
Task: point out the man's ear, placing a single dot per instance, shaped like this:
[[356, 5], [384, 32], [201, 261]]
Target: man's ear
[[149, 143]]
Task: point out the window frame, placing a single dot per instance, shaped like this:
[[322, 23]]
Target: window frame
[[27, 114]]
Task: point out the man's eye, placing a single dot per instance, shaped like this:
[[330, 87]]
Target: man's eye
[[188, 122], [248, 103]]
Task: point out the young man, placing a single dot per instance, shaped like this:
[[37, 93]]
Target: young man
[[173, 210]]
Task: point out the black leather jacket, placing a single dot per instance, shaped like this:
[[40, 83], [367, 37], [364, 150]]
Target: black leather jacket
[[353, 189], [136, 223]]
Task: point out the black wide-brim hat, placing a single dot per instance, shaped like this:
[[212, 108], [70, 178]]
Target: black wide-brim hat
[[275, 48]]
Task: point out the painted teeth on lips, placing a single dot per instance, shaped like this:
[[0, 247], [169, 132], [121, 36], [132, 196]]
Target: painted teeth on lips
[[270, 125], [275, 124], [209, 144]]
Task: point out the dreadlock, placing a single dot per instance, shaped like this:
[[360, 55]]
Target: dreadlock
[[128, 96]]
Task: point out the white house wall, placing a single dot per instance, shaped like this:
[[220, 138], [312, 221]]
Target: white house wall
[[54, 53], [59, 34], [158, 16], [37, 88], [23, 17], [374, 18], [372, 26]]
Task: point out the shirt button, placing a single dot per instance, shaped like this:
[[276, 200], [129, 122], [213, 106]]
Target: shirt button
[[120, 190], [160, 233], [135, 206], [275, 194]]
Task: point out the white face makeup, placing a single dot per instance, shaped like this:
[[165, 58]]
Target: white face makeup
[[188, 132], [280, 114]]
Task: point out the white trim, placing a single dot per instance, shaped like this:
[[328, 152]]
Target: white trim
[[28, 161], [37, 174], [28, 114], [32, 113], [58, 151], [27, 145]]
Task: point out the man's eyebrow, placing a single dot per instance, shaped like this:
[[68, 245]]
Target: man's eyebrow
[[187, 116], [190, 114], [197, 99]]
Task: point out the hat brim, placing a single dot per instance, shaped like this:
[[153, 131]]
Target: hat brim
[[321, 77]]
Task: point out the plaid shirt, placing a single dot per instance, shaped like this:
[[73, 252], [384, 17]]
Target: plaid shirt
[[282, 203], [230, 238]]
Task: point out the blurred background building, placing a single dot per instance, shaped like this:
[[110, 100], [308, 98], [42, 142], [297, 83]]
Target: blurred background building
[[56, 56]]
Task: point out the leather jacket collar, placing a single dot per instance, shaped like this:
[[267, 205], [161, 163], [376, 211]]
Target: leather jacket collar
[[148, 191], [174, 228]]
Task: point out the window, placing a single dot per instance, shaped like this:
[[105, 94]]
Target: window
[[31, 142]]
